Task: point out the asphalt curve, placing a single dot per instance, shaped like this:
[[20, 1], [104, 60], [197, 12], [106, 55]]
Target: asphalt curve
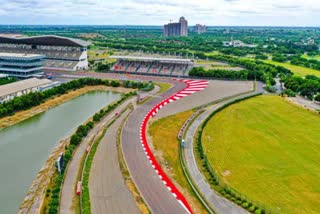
[[155, 193]]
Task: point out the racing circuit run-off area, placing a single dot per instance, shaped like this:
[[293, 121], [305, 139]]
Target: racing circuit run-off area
[[193, 86]]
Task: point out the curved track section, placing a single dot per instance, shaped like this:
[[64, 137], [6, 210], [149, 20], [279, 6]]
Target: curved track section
[[190, 87]]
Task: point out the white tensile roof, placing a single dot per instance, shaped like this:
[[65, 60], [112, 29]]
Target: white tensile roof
[[152, 59]]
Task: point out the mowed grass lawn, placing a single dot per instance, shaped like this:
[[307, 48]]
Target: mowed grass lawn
[[268, 149], [297, 70]]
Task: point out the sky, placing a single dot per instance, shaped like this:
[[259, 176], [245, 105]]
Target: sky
[[159, 12]]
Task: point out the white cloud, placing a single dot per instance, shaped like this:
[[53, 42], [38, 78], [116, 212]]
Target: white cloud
[[156, 12]]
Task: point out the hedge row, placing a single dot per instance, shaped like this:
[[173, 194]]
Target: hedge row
[[213, 179], [7, 80], [75, 140]]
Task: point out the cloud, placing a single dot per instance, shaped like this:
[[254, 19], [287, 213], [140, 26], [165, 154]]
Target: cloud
[[157, 12]]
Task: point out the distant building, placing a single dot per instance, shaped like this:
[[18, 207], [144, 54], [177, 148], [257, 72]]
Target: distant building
[[176, 29], [16, 89], [238, 43], [199, 29], [21, 65]]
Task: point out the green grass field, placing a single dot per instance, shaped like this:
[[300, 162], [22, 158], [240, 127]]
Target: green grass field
[[212, 53], [311, 57], [297, 70], [163, 87], [268, 149]]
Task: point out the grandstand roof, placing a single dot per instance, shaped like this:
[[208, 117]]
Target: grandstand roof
[[49, 40], [151, 59]]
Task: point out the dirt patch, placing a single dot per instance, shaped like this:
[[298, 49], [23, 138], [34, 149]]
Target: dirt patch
[[226, 173]]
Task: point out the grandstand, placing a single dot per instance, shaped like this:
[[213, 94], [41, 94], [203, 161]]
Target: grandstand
[[60, 53], [152, 66]]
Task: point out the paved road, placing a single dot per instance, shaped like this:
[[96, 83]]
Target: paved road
[[71, 177], [155, 193], [108, 191], [220, 204]]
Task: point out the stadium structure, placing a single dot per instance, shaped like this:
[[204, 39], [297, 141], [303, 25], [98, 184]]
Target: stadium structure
[[152, 66], [21, 65], [61, 53]]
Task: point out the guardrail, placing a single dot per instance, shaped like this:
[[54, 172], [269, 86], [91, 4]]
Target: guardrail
[[183, 164]]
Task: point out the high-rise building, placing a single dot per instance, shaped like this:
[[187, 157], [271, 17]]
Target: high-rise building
[[176, 29], [184, 26], [200, 28]]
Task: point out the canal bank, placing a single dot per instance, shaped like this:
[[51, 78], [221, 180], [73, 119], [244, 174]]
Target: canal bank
[[53, 102], [25, 146]]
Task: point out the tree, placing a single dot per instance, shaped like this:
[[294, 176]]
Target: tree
[[75, 139]]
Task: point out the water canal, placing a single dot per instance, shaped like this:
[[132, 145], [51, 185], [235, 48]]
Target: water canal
[[25, 146]]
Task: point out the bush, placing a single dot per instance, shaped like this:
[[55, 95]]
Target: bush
[[258, 211], [115, 83], [245, 205], [252, 208], [75, 139], [289, 93], [82, 131], [96, 117]]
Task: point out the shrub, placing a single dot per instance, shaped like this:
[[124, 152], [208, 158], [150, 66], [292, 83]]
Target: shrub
[[90, 124], [245, 205], [258, 211], [252, 208], [96, 117], [289, 92], [115, 83], [75, 139]]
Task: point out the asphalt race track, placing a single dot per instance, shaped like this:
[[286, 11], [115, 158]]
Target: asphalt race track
[[154, 185], [155, 193]]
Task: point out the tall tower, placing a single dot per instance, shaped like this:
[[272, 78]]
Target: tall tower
[[183, 26]]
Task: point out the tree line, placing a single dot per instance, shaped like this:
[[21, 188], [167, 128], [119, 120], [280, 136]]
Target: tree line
[[30, 100], [308, 87], [254, 70], [7, 80], [297, 60]]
